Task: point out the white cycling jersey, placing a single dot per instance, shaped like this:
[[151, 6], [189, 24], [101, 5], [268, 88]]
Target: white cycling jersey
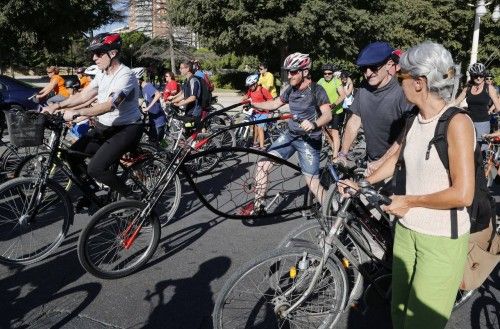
[[122, 81]]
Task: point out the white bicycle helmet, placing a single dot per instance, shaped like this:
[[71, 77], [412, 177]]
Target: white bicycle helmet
[[91, 70], [251, 80], [139, 72], [297, 61], [477, 69]]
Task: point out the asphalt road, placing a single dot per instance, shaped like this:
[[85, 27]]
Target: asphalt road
[[177, 288]]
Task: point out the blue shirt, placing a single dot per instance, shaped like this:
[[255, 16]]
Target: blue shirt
[[304, 105], [155, 113]]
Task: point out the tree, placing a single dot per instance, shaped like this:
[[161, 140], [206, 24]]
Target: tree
[[50, 25], [337, 30]]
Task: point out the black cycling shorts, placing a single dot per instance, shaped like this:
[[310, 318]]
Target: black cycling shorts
[[337, 121]]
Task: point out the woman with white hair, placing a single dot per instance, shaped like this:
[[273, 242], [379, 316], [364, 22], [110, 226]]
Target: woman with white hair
[[428, 260]]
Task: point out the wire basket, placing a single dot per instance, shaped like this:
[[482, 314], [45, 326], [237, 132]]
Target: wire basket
[[25, 128]]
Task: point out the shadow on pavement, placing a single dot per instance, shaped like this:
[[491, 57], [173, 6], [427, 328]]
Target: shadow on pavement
[[177, 241], [485, 311], [192, 301], [31, 295]]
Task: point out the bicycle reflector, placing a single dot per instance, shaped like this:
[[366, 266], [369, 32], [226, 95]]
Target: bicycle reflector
[[293, 272]]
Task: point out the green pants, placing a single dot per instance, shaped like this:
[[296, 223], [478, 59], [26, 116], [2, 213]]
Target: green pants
[[426, 274]]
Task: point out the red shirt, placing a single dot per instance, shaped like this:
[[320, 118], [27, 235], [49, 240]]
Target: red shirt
[[170, 87], [260, 95]]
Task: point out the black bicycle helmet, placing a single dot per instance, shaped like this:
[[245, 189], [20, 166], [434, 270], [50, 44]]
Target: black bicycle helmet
[[105, 42], [477, 69], [328, 67]]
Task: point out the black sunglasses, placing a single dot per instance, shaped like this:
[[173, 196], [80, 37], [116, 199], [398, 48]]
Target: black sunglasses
[[373, 68]]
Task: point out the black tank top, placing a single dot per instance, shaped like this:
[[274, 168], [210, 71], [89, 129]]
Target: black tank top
[[478, 104]]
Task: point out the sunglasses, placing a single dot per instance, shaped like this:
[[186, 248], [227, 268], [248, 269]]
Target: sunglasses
[[49, 72], [98, 53], [403, 76], [373, 68], [489, 79], [476, 76], [294, 72], [327, 73]]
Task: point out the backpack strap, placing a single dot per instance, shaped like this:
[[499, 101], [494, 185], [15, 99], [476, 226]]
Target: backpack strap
[[440, 142], [399, 177]]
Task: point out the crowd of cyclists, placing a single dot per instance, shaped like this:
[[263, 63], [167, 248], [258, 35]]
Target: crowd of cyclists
[[420, 80]]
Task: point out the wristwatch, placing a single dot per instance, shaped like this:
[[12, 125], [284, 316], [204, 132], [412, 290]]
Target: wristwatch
[[315, 125]]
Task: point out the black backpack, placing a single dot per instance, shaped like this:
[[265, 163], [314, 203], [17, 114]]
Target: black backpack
[[483, 206], [206, 94]]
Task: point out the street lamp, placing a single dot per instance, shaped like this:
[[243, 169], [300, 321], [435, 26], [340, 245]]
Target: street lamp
[[131, 46], [480, 12]]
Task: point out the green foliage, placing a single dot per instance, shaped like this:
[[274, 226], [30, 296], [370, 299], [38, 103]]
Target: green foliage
[[230, 80], [31, 30], [271, 29], [210, 61]]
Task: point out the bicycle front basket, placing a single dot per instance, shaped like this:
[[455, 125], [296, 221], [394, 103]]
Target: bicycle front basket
[[25, 128]]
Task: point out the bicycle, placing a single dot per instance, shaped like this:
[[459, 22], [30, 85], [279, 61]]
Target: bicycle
[[492, 160], [243, 134], [326, 246], [116, 242], [372, 228], [37, 211]]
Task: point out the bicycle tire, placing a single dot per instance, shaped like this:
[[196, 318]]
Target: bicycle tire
[[145, 176], [14, 196], [12, 156], [309, 233], [231, 187], [28, 168], [273, 276], [100, 230], [199, 166]]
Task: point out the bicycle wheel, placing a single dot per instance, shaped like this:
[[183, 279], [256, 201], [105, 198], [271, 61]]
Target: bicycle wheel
[[12, 156], [30, 166], [112, 245], [199, 166], [145, 175], [310, 233], [260, 291], [25, 240], [228, 137], [231, 188]]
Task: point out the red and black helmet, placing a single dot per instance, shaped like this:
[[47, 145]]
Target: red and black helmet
[[105, 42]]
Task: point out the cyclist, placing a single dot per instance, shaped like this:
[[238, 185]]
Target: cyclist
[[266, 79], [309, 103], [336, 95], [172, 87], [257, 94], [84, 78], [428, 263], [379, 105], [348, 89], [56, 85], [190, 95], [118, 126], [157, 118], [478, 95]]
